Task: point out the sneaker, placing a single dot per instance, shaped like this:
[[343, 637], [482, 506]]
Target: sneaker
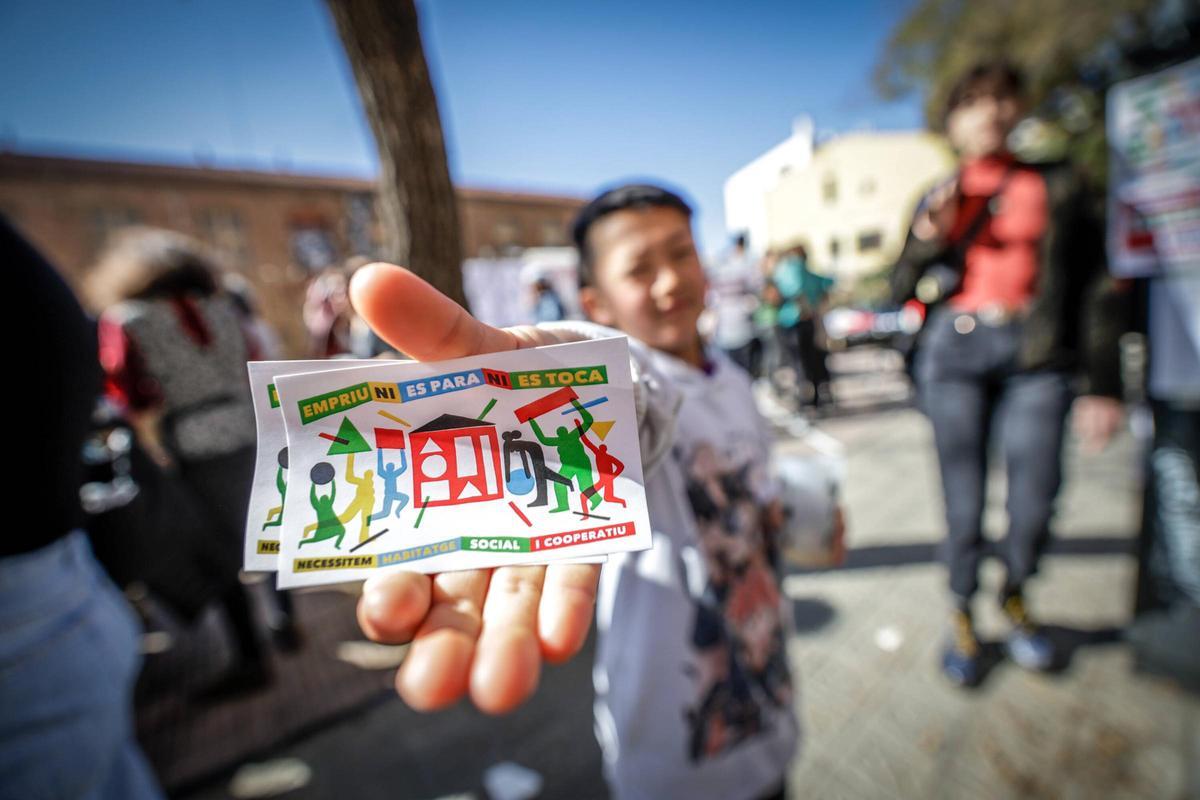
[[1026, 646], [960, 659]]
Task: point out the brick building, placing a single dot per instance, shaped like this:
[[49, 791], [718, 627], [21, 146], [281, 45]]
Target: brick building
[[275, 228]]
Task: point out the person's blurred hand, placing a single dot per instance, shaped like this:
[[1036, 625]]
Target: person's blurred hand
[[774, 517], [936, 218], [479, 632], [1095, 419], [838, 539]]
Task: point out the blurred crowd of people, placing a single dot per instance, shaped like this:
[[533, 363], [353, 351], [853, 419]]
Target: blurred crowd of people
[[767, 315], [333, 329]]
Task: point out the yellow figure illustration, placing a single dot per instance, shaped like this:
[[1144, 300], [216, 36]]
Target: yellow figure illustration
[[364, 498], [275, 515]]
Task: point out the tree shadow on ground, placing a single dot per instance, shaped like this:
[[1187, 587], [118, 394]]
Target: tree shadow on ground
[[862, 409], [907, 554], [810, 614], [1067, 642]]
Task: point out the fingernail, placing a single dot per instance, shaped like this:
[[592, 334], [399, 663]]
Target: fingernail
[[376, 602]]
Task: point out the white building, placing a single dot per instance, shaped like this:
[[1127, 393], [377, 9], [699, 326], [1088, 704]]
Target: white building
[[848, 201], [851, 206], [747, 189]]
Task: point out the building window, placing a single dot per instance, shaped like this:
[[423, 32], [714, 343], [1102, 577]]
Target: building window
[[312, 243], [869, 240], [362, 225], [505, 234], [829, 189], [834, 247], [223, 230]]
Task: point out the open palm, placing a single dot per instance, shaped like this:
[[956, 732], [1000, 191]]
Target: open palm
[[481, 632]]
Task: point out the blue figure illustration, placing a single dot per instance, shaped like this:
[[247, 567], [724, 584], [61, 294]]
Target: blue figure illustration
[[391, 485]]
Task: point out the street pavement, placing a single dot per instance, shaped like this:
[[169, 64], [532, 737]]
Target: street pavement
[[882, 723], [879, 722]]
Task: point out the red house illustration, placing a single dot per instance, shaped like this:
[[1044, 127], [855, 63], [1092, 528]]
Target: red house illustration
[[455, 460]]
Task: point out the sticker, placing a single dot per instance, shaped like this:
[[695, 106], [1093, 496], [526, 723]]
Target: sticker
[[478, 462]]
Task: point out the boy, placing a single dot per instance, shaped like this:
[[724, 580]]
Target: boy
[[693, 691]]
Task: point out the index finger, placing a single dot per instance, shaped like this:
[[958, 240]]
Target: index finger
[[567, 608], [420, 321], [944, 194]]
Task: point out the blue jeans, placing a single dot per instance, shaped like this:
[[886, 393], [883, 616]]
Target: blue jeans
[[68, 662], [967, 379]]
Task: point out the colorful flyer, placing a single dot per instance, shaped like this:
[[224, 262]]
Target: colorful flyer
[[526, 456], [265, 514]]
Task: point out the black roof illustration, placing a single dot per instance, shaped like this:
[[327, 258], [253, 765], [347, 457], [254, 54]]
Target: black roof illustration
[[447, 422]]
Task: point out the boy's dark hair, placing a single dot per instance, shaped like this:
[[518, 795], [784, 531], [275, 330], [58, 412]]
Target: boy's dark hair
[[998, 78], [619, 198]]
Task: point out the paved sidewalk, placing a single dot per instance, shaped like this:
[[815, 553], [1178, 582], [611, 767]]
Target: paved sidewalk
[[880, 722], [188, 738]]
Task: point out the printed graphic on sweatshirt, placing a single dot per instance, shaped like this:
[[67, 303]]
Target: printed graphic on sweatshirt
[[740, 672]]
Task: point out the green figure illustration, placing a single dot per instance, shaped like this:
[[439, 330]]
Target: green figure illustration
[[364, 499], [327, 526], [572, 457], [275, 515]]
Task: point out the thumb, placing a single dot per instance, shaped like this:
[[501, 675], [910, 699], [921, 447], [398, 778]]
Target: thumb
[[420, 321]]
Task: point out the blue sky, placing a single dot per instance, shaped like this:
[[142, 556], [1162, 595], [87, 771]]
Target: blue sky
[[562, 96]]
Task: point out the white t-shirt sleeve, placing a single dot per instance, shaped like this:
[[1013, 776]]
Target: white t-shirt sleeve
[[768, 490]]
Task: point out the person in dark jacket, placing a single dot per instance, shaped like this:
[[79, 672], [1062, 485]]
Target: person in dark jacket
[[174, 348], [1024, 319], [68, 640]]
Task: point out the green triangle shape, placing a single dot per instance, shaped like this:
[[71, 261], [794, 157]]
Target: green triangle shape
[[355, 443]]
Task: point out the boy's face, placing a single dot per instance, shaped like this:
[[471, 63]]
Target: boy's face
[[979, 125], [647, 279]]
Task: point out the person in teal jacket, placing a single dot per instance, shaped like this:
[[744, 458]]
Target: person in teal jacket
[[803, 292]]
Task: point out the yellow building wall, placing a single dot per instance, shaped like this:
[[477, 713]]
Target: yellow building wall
[[859, 187]]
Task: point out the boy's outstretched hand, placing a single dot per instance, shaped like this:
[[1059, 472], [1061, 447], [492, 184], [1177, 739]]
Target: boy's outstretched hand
[[479, 632]]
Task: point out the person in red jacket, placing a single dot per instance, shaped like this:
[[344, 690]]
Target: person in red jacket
[[1025, 319]]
